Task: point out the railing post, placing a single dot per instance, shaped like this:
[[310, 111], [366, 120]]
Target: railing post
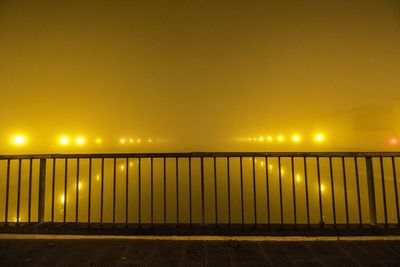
[[371, 190], [42, 189]]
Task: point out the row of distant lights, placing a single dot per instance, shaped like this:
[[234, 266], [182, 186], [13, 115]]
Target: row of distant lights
[[65, 140], [281, 138], [297, 138], [20, 140]]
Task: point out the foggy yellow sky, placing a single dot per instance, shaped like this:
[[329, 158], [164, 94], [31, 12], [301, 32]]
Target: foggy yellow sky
[[199, 74]]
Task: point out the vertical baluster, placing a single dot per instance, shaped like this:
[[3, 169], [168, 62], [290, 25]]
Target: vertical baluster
[[177, 188], [395, 189], [126, 190], [383, 190], [202, 191], [190, 190], [358, 191], [229, 190], [321, 217], [102, 191], [371, 190], [294, 191], [90, 190], [215, 192], [139, 191], [151, 191], [241, 189], [19, 191], [42, 189], [114, 188], [254, 192], [77, 191], [53, 189], [267, 188], [30, 191], [280, 189], [332, 191], [345, 191], [306, 187], [165, 190], [65, 190]]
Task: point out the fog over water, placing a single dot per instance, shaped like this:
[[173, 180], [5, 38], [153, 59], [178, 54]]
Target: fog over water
[[127, 76]]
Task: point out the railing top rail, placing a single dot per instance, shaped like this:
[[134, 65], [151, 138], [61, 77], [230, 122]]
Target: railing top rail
[[203, 154]]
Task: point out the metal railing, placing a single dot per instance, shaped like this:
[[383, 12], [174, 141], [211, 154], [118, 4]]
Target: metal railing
[[221, 188]]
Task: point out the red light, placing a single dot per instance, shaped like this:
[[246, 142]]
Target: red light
[[394, 141]]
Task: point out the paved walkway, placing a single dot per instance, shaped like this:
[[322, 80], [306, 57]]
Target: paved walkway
[[112, 252]]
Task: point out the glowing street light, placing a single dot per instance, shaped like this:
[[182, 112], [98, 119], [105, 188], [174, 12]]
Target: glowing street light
[[319, 137], [122, 140], [280, 138], [99, 141], [19, 140], [296, 138], [80, 140], [64, 140], [394, 141]]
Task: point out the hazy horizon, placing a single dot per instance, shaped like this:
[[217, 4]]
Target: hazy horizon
[[199, 75]]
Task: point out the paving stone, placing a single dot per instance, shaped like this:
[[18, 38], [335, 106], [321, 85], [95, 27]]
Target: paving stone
[[387, 247], [56, 251], [330, 254], [133, 265], [275, 254], [338, 262], [188, 264], [85, 253], [358, 255], [167, 253], [380, 251], [13, 250], [31, 256], [394, 245], [197, 253], [307, 263], [250, 264], [137, 252], [297, 251], [109, 255], [217, 254], [193, 253], [325, 249], [246, 252]]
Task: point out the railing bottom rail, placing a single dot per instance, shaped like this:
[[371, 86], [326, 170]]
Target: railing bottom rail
[[199, 229]]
